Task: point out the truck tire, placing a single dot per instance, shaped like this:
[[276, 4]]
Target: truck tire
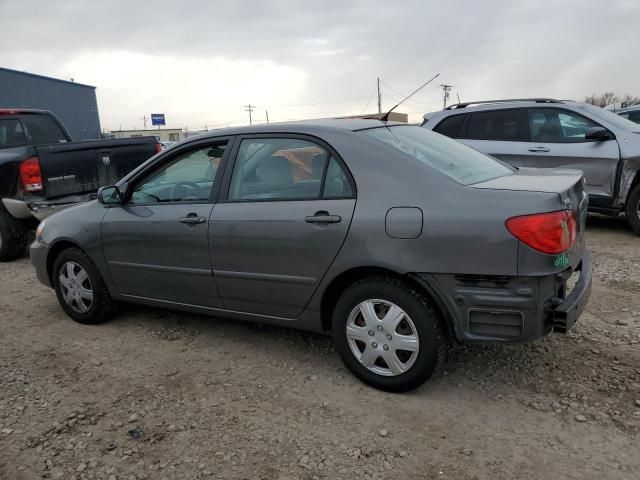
[[13, 237], [632, 210]]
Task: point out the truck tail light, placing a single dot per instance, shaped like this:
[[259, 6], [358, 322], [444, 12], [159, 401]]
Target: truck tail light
[[551, 233], [159, 147], [31, 175]]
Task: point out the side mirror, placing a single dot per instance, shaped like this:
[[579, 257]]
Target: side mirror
[[110, 195], [597, 134]]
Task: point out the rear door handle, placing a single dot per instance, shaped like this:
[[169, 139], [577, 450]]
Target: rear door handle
[[323, 217], [539, 149], [193, 219]]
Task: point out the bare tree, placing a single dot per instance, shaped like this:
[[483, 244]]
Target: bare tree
[[608, 98]]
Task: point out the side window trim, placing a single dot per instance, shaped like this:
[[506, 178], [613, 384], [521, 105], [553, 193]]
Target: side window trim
[[164, 160], [223, 191]]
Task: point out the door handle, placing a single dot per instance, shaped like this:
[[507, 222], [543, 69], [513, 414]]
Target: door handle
[[192, 219], [539, 149], [323, 217]]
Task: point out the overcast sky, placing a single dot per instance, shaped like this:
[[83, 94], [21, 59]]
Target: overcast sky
[[199, 62]]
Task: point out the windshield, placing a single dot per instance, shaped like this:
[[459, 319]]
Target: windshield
[[615, 120], [457, 161]]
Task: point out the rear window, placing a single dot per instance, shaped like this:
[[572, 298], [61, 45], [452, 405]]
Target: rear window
[[41, 129], [451, 126], [457, 161], [11, 134]]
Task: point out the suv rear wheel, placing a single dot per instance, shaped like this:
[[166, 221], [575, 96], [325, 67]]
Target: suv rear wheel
[[13, 237], [388, 334], [632, 210]]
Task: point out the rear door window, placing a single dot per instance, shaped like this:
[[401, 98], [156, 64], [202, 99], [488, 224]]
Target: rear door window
[[451, 126], [504, 125]]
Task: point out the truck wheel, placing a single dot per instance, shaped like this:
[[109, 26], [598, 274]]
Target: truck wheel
[[388, 334], [80, 288], [632, 210], [13, 237]]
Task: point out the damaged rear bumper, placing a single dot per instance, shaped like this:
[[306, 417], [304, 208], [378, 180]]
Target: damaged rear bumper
[[493, 308]]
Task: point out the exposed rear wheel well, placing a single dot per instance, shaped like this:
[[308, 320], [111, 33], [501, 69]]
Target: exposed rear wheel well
[[342, 281]]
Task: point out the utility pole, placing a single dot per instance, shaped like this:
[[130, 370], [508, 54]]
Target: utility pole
[[445, 94], [458, 95], [249, 108], [379, 98], [144, 119], [266, 112]]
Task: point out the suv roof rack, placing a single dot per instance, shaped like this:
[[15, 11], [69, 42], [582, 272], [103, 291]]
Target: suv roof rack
[[510, 100]]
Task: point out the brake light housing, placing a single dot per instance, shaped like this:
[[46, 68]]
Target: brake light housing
[[551, 232], [31, 175], [159, 147]]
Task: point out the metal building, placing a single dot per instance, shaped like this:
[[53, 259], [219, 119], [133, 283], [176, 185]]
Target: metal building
[[73, 103]]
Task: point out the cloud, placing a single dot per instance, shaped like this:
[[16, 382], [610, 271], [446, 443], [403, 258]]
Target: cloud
[[285, 52]]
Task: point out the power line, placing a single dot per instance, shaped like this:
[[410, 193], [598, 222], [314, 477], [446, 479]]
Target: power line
[[402, 95], [370, 97]]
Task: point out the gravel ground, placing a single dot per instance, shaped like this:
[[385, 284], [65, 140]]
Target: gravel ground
[[156, 394]]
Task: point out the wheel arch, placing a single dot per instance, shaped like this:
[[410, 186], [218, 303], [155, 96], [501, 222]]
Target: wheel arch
[[340, 282], [55, 250]]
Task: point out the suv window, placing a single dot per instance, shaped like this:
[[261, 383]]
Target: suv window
[[187, 178], [285, 169], [11, 134], [451, 126], [634, 116], [42, 129], [552, 125], [506, 125]]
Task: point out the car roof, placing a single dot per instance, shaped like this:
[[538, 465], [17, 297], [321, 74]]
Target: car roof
[[302, 126], [632, 108]]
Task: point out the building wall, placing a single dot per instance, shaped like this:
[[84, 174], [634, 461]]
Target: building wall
[[163, 134], [73, 103]]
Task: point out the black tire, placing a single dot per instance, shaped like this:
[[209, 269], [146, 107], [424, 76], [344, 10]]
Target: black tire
[[102, 306], [13, 237], [632, 210], [425, 317]]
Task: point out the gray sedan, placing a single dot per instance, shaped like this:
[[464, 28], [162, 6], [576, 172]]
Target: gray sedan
[[394, 239]]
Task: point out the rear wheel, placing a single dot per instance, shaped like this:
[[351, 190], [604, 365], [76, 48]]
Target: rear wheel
[[80, 288], [632, 210], [388, 334], [13, 237]]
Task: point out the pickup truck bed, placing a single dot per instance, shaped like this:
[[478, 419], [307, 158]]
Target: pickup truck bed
[[37, 179]]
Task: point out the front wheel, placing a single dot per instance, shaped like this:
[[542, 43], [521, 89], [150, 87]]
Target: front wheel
[[388, 334], [80, 288], [632, 210]]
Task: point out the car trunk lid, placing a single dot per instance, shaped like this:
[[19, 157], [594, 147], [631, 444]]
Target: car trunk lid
[[568, 185]]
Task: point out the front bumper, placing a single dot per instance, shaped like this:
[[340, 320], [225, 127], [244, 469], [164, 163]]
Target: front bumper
[[491, 308], [39, 252]]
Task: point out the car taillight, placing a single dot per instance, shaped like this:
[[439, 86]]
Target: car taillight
[[31, 175], [159, 147], [552, 232]]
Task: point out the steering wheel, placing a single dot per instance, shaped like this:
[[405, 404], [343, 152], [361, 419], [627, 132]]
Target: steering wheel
[[175, 190]]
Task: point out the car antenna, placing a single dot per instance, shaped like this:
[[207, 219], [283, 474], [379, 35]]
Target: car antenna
[[385, 117]]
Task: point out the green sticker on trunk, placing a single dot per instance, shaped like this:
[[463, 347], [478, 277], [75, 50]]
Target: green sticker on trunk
[[561, 260]]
